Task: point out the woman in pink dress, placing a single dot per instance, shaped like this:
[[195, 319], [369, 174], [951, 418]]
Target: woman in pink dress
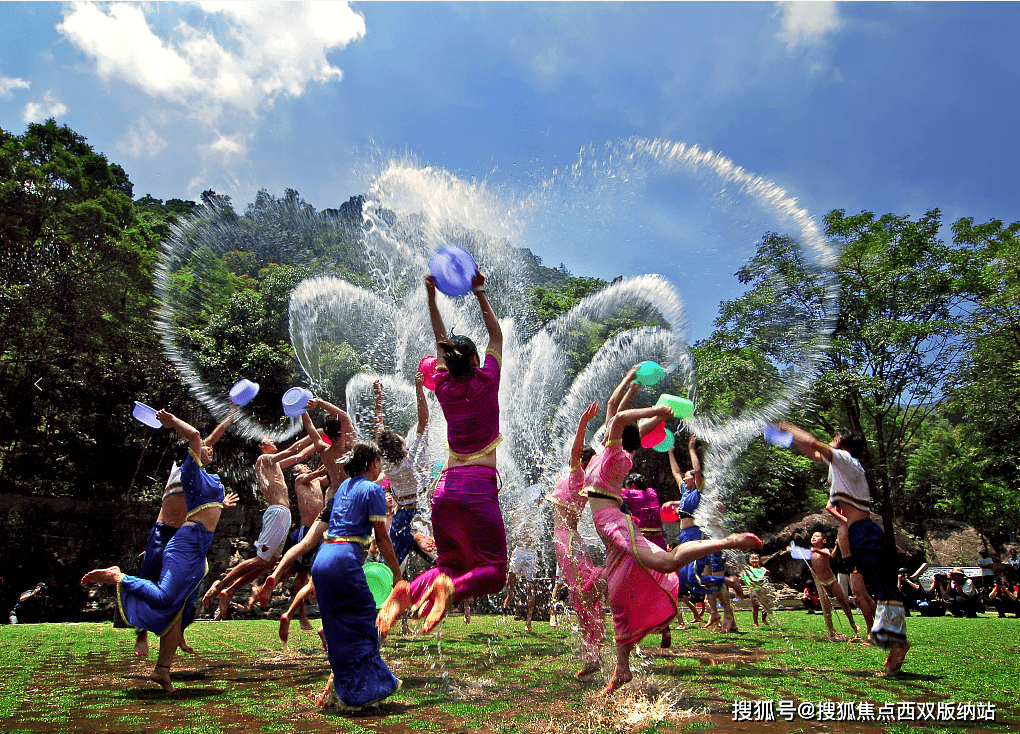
[[583, 578], [642, 580], [470, 535]]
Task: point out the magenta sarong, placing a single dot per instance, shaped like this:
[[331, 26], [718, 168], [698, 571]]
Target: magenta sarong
[[642, 600], [469, 533]]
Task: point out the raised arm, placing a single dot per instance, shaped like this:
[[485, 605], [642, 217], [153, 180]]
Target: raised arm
[[807, 444], [338, 413], [421, 402], [379, 417], [626, 417], [223, 425], [624, 388], [582, 426], [674, 467], [185, 430], [488, 316], [438, 327], [313, 433], [692, 449]]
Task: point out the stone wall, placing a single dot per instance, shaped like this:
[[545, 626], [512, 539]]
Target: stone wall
[[57, 540]]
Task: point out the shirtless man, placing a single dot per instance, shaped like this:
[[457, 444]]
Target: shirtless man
[[825, 581], [308, 488], [275, 528]]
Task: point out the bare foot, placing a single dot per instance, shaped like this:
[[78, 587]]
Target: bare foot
[[527, 626], [210, 594], [587, 670], [185, 646], [756, 626], [395, 604], [745, 541], [142, 644], [225, 599], [325, 698], [161, 674], [617, 680], [322, 639], [305, 625], [284, 627], [442, 600], [262, 593], [716, 620], [729, 626], [111, 575], [667, 639], [894, 661]]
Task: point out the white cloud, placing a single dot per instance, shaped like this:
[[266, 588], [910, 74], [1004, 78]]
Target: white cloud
[[229, 145], [223, 72], [264, 50], [49, 106], [806, 23], [8, 84], [143, 141]]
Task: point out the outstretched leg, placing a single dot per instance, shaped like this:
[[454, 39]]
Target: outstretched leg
[[657, 559]]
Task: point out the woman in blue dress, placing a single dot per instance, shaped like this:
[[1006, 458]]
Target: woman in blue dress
[[164, 605], [360, 677]]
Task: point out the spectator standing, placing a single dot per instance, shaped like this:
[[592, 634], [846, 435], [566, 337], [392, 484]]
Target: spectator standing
[[986, 563]]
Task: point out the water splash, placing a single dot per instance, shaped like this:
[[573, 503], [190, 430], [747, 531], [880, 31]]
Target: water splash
[[661, 207]]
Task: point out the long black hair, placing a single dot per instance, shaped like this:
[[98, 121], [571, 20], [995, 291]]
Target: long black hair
[[458, 351], [362, 457], [631, 439]]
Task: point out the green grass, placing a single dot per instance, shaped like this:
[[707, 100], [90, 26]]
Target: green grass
[[490, 676]]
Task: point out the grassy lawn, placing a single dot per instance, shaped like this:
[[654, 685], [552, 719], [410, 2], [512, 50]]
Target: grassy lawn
[[490, 676]]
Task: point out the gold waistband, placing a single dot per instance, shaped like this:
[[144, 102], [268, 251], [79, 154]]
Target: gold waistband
[[477, 454], [203, 507], [359, 540]]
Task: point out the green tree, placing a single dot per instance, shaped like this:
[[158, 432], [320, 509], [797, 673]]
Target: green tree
[[76, 343]]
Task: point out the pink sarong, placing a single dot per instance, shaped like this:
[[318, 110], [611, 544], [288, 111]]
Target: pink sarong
[[642, 600], [580, 574], [469, 533]]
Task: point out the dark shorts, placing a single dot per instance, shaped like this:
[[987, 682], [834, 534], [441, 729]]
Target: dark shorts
[[304, 563]]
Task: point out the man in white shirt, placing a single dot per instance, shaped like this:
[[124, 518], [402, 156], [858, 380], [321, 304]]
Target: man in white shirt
[[860, 539]]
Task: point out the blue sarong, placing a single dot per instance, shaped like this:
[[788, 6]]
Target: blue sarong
[[155, 605], [360, 676]]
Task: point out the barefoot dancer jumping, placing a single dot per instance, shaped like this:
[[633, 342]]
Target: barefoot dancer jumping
[[469, 532], [642, 583], [161, 606]]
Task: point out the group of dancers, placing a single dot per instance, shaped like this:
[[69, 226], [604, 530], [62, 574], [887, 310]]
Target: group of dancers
[[642, 580]]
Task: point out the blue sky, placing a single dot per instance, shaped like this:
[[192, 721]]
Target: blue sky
[[886, 107]]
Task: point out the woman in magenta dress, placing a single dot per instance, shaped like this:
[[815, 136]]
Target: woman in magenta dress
[[583, 578], [642, 580], [470, 535]]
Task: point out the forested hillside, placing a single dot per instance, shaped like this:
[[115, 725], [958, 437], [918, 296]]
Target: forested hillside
[[924, 358]]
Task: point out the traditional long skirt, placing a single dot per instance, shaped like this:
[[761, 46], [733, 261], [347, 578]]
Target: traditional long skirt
[[642, 600], [360, 676], [580, 574], [156, 605], [867, 550], [469, 533]]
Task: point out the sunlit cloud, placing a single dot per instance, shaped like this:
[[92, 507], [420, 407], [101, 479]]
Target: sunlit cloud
[[41, 110], [225, 71], [8, 84], [807, 23]]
